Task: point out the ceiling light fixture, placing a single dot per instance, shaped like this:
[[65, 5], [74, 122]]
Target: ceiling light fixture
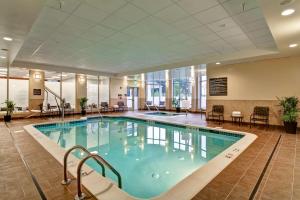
[[7, 38], [3, 57], [218, 63], [287, 12], [293, 45]]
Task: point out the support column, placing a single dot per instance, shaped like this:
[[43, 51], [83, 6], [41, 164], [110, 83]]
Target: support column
[[7, 79], [36, 89], [194, 88], [81, 89], [169, 88], [142, 92]]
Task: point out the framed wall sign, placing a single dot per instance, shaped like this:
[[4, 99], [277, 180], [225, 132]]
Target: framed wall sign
[[218, 86], [37, 92]]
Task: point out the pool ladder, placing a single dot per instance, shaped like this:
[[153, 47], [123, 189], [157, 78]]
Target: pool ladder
[[80, 195]]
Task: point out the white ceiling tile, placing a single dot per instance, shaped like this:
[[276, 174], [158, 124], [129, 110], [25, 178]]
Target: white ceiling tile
[[211, 15], [152, 6], [249, 16], [222, 24], [130, 13], [195, 6], [186, 23], [66, 5], [238, 6], [171, 13], [116, 23], [230, 32], [88, 12], [178, 37], [107, 6], [99, 31]]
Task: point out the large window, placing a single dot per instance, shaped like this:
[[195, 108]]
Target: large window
[[19, 88], [104, 89], [156, 88], [92, 90], [2, 86], [68, 89], [52, 82], [202, 88], [182, 84]]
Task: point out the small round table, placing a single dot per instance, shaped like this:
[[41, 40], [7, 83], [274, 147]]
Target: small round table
[[237, 118]]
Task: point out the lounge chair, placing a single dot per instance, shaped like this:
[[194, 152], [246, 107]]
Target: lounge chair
[[122, 106], [68, 109], [260, 114], [217, 113], [104, 107]]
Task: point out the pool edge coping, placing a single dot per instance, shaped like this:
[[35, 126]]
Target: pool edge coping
[[187, 188]]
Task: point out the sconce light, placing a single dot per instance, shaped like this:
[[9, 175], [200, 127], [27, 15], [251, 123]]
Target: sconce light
[[37, 76], [81, 79]]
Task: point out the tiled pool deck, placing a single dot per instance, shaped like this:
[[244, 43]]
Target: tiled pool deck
[[237, 181]]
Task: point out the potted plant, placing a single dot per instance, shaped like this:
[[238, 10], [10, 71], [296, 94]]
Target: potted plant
[[290, 113], [10, 107], [176, 104], [82, 104]]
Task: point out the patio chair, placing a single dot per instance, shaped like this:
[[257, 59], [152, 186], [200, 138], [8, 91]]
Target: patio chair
[[104, 107], [260, 114], [68, 109], [217, 113], [122, 106]]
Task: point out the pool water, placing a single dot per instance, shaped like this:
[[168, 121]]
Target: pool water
[[162, 114], [151, 157]]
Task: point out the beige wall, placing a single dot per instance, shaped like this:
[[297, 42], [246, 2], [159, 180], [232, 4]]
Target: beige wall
[[36, 81], [117, 86], [257, 83]]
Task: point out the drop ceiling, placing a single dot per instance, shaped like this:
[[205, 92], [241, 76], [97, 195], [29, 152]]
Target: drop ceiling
[[131, 36]]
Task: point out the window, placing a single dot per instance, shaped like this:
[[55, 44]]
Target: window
[[202, 80], [68, 89], [2, 86], [182, 85], [19, 88], [92, 90], [104, 89], [156, 88]]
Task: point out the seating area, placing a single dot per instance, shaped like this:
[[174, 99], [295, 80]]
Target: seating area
[[259, 114]]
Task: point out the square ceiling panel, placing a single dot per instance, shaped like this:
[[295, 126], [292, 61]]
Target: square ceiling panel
[[118, 36]]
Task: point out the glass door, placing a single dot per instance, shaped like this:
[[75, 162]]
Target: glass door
[[132, 98]]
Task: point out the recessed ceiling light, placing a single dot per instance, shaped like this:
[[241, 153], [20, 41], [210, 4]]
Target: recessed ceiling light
[[3, 57], [293, 45], [218, 63], [287, 12], [7, 39]]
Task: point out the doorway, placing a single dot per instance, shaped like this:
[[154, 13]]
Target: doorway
[[133, 98]]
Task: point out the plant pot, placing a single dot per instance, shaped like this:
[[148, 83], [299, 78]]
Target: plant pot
[[178, 109], [7, 118], [83, 112], [290, 127]]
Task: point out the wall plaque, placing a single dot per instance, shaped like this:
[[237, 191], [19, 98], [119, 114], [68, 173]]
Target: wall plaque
[[218, 86], [37, 92]]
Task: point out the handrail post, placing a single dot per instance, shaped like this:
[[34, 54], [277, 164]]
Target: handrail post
[[80, 195], [66, 180]]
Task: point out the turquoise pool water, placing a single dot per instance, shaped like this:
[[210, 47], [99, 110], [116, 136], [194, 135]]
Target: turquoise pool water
[[162, 114], [151, 157]]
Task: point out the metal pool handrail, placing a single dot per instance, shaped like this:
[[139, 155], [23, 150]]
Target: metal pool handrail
[[80, 194], [66, 180]]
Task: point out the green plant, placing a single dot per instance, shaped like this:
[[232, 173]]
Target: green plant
[[290, 110], [10, 107], [83, 102], [176, 103]]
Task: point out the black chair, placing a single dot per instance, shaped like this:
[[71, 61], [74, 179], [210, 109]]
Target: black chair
[[68, 109], [217, 113], [260, 114], [104, 107], [122, 106]]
